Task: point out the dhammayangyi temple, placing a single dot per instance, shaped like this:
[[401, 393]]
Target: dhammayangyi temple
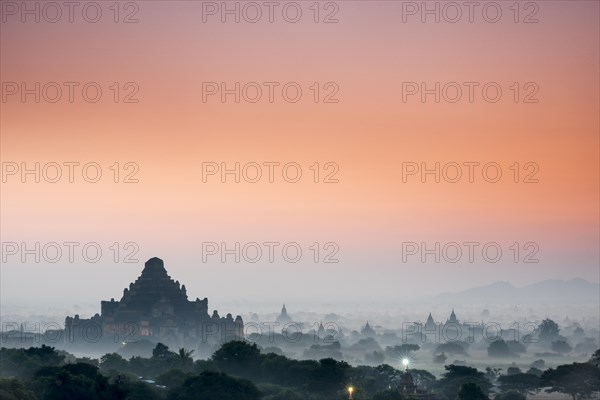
[[154, 307]]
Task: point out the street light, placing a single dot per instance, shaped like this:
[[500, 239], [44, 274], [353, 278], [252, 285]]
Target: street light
[[405, 363], [350, 391]]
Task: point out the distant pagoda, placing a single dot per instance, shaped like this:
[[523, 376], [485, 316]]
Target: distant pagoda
[[283, 317], [367, 330], [156, 306], [452, 319], [430, 325]]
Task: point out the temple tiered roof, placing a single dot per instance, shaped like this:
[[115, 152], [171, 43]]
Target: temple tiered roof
[[158, 306], [154, 294], [152, 286]]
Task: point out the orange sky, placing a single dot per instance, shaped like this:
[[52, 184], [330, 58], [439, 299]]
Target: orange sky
[[369, 133]]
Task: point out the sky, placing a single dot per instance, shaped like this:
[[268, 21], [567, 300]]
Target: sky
[[365, 127]]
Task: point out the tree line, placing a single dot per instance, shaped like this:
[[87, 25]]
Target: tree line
[[241, 371]]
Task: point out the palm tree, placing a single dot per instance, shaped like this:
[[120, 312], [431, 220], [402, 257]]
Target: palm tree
[[185, 354], [185, 358]]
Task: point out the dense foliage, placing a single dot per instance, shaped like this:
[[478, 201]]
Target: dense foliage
[[240, 371]]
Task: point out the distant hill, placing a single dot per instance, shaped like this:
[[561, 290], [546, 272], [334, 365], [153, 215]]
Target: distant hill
[[575, 291]]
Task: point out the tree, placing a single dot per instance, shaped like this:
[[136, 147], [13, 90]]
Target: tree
[[471, 391], [113, 361], [161, 351], [140, 366], [329, 377], [185, 359], [407, 347], [579, 332], [516, 347], [87, 360], [185, 354], [586, 345], [561, 346], [492, 374], [549, 330], [173, 378], [139, 391], [456, 376], [373, 380], [513, 369], [13, 389], [388, 394], [238, 358], [595, 359], [317, 351], [539, 364], [498, 349], [23, 363], [400, 351], [74, 381], [580, 380], [535, 371], [522, 383], [215, 386], [274, 392], [45, 354], [451, 348], [512, 395], [204, 365], [422, 378]]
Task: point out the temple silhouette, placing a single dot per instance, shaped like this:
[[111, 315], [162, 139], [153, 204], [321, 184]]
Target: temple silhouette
[[284, 317], [155, 307]]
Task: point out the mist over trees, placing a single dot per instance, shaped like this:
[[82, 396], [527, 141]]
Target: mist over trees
[[378, 363], [241, 371]]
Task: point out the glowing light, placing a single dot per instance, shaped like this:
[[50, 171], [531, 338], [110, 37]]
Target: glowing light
[[405, 362], [350, 390]]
